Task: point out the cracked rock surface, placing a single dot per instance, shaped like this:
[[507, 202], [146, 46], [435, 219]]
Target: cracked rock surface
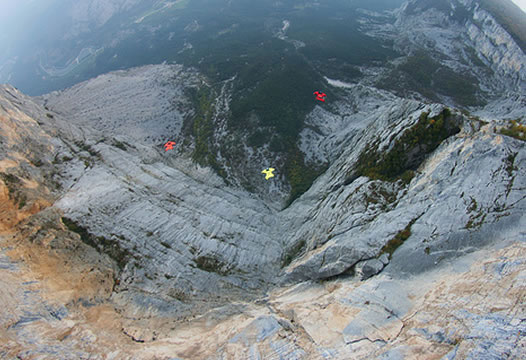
[[181, 255], [112, 248]]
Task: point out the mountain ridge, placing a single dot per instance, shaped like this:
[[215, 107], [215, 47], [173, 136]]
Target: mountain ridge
[[511, 17]]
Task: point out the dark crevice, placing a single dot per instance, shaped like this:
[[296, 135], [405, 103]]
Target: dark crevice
[[103, 245]]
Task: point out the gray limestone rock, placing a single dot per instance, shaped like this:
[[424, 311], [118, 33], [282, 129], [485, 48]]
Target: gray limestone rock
[[367, 268], [103, 102], [384, 258], [212, 243], [462, 197]]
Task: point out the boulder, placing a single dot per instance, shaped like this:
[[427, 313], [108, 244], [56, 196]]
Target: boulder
[[367, 268]]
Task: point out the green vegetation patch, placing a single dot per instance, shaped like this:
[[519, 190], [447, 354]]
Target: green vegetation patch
[[11, 181], [461, 87], [103, 245], [14, 185], [293, 253], [279, 93], [477, 215], [120, 145], [22, 201], [510, 163], [510, 167], [300, 175], [201, 127], [408, 151], [397, 240], [273, 94], [376, 194], [423, 74], [178, 294], [37, 162], [211, 264], [86, 147], [420, 67], [476, 220], [332, 36], [515, 129], [166, 245]]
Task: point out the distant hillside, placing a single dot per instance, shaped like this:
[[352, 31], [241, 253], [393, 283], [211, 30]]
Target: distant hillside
[[510, 16]]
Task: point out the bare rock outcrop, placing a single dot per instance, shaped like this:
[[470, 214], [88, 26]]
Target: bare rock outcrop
[[143, 252]]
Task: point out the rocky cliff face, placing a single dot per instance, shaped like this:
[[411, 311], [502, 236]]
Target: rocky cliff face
[[463, 50], [409, 245], [142, 209], [154, 208], [147, 104]]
